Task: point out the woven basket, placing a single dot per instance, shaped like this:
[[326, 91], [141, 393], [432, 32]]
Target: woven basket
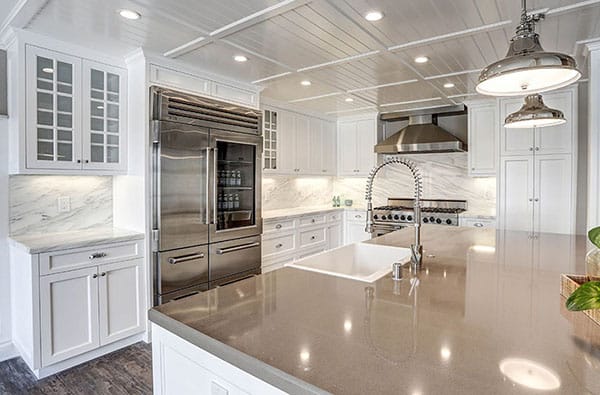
[[570, 282]]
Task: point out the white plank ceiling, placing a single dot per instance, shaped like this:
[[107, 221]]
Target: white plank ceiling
[[353, 64]]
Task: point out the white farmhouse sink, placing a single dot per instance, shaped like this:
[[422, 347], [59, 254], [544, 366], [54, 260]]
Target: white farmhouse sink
[[359, 261]]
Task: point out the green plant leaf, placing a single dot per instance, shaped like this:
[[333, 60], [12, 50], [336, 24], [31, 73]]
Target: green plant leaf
[[594, 236], [586, 297]]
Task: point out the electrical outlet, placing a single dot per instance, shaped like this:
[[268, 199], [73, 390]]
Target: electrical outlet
[[64, 204]]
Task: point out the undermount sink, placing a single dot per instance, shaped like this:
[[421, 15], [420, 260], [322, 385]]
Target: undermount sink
[[359, 261]]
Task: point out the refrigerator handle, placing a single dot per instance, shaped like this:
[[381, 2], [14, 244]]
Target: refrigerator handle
[[207, 220], [214, 185]]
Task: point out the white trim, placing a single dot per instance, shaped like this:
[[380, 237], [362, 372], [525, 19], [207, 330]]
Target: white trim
[[353, 110], [418, 108], [571, 7], [442, 37], [410, 102], [272, 77], [593, 209], [7, 351], [317, 97], [434, 77], [338, 61], [367, 88]]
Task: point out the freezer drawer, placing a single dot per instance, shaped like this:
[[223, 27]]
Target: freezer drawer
[[182, 268], [234, 256], [182, 293]]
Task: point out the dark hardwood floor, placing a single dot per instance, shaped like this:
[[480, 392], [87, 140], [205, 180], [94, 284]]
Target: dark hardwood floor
[[126, 371]]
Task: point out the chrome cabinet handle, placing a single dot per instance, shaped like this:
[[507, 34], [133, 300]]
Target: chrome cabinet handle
[[186, 258], [94, 275], [103, 274], [357, 216], [478, 224], [222, 251], [278, 226], [279, 245], [97, 255]]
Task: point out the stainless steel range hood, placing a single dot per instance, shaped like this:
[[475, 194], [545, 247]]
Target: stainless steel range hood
[[422, 135]]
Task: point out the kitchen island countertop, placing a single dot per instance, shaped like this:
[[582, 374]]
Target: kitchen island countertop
[[486, 317]]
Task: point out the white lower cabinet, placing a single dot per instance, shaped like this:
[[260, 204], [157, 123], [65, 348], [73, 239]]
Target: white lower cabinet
[[68, 314], [73, 314], [288, 239]]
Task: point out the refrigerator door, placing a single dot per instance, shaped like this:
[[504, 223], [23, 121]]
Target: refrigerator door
[[233, 258], [236, 185], [181, 185], [179, 269]]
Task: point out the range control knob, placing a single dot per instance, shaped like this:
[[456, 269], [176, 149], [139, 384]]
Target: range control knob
[[449, 221], [409, 218], [376, 216], [403, 217], [396, 217], [431, 219], [438, 221], [425, 220]]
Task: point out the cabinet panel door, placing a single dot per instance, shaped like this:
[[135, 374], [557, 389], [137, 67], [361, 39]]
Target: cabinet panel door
[[104, 117], [286, 149], [355, 232], [68, 314], [120, 303], [516, 193], [314, 147], [334, 235], [328, 148], [514, 141], [53, 110], [553, 208], [347, 148], [557, 139], [483, 123], [365, 141], [303, 146]]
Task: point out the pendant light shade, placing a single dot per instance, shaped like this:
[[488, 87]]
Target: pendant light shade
[[534, 113], [527, 68]]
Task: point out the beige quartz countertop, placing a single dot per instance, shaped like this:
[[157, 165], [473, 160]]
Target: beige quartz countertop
[[47, 242], [297, 211], [487, 301]]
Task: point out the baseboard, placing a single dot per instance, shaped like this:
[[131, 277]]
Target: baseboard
[[7, 351]]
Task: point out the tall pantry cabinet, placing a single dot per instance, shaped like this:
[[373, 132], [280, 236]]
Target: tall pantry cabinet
[[537, 180]]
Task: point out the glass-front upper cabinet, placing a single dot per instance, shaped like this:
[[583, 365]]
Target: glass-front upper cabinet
[[270, 131], [104, 144], [53, 85]]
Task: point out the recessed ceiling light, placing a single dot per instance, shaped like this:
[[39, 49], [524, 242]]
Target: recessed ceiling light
[[349, 100], [448, 85], [305, 83], [373, 16], [421, 59], [48, 70], [240, 58], [130, 14]]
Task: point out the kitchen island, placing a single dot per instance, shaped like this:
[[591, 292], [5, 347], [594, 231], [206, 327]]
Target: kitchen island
[[485, 317]]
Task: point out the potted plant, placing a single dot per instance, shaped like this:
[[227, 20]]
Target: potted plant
[[587, 296]]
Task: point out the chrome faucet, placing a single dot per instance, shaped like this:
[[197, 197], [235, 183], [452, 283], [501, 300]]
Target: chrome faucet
[[416, 249]]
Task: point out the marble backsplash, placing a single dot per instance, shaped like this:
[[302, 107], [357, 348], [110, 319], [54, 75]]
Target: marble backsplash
[[445, 176], [33, 203]]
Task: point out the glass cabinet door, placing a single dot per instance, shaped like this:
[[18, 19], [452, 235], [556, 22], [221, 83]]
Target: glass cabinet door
[[104, 100], [270, 130], [236, 184], [52, 110]]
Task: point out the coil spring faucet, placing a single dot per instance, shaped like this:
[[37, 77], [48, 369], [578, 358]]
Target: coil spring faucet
[[416, 248]]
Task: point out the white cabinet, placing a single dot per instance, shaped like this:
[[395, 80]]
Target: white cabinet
[[516, 193], [354, 228], [335, 235], [75, 114], [68, 314], [356, 141], [298, 144], [483, 127]]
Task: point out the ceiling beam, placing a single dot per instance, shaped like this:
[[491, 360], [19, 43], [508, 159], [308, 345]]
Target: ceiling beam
[[400, 103], [338, 61], [234, 27]]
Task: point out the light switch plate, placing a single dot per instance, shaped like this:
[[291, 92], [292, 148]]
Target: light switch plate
[[64, 204]]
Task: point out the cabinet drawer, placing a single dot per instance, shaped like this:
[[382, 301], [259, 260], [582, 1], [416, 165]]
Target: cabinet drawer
[[311, 237], [60, 261], [335, 217], [278, 245], [278, 226], [477, 223], [357, 216], [313, 220], [310, 252]]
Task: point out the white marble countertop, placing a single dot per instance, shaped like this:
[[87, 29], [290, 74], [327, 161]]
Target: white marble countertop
[[297, 211], [479, 214], [38, 243]]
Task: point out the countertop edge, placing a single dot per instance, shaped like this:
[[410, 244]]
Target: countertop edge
[[75, 244], [310, 211], [259, 369]]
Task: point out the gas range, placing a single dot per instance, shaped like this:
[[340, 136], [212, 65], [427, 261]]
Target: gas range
[[399, 212]]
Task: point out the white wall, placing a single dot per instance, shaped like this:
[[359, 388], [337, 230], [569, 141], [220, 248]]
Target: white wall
[[593, 193]]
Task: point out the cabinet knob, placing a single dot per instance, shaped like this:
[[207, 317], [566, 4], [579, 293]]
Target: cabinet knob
[[279, 245], [278, 226], [94, 275], [478, 224], [103, 274], [312, 220], [531, 199], [537, 148], [530, 148], [97, 255], [313, 237], [87, 161], [78, 160], [536, 200]]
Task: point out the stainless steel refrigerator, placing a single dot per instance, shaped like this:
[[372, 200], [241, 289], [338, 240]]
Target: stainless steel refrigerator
[[206, 183]]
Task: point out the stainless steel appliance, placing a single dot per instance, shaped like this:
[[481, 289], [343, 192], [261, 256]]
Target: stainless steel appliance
[[399, 213], [206, 193]]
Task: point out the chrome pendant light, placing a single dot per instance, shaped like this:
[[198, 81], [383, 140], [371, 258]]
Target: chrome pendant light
[[534, 113], [527, 68]]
